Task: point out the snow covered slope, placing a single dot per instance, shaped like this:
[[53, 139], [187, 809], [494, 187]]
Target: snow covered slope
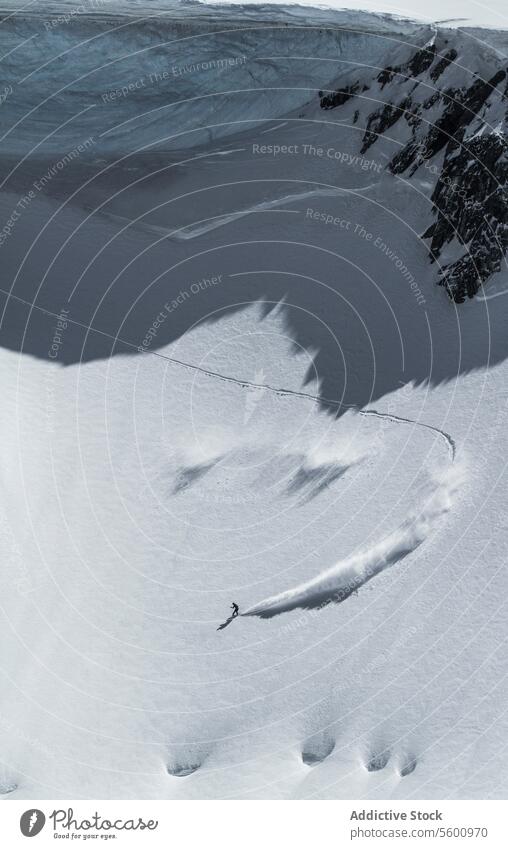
[[444, 110], [228, 375], [148, 495], [189, 76], [175, 80]]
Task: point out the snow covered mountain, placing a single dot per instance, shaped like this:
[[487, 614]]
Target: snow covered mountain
[[439, 97], [229, 375]]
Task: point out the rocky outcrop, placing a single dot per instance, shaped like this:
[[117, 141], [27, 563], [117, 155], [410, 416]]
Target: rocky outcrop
[[471, 204], [470, 196], [417, 64], [421, 61], [382, 120], [451, 135], [442, 64], [339, 96], [460, 110]]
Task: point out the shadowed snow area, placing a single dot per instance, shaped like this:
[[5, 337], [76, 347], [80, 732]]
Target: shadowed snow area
[[317, 749], [178, 199]]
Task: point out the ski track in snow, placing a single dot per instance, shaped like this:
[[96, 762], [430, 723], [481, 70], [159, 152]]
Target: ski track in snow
[[491, 297], [199, 228], [271, 129], [247, 384], [345, 577], [451, 444]]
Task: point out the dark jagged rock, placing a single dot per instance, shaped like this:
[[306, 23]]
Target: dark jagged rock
[[442, 64], [421, 61], [405, 157], [413, 116], [382, 120], [429, 103], [418, 64], [459, 112], [471, 203], [338, 97], [470, 197], [387, 75]]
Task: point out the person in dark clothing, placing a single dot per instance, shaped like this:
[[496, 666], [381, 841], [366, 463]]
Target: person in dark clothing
[[235, 609]]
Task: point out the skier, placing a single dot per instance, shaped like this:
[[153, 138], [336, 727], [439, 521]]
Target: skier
[[235, 609]]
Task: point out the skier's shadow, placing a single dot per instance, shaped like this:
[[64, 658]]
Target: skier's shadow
[[226, 623]]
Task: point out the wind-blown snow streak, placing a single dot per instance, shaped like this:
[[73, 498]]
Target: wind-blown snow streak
[[199, 228], [346, 576]]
